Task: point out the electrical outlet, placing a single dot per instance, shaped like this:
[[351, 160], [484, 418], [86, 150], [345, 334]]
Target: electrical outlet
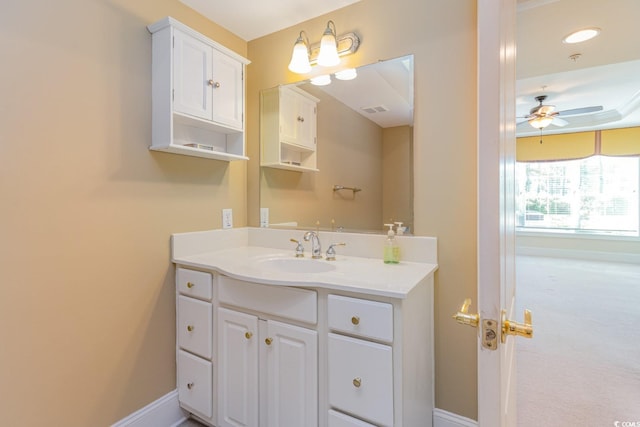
[[227, 218], [264, 217]]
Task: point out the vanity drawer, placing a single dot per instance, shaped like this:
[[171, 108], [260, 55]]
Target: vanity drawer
[[338, 419], [195, 383], [369, 319], [290, 303], [195, 326], [361, 378], [195, 284]]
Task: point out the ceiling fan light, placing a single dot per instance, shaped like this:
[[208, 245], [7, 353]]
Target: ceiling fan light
[[300, 56], [328, 56], [541, 122], [581, 35]]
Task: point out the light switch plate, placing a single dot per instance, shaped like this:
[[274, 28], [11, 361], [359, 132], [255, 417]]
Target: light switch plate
[[227, 218], [264, 217]]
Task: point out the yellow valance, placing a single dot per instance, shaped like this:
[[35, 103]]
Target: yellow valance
[[580, 145]]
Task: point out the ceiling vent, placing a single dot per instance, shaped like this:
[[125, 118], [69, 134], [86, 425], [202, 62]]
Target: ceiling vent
[[376, 109]]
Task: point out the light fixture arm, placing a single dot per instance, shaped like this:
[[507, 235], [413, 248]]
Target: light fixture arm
[[302, 38], [331, 31]]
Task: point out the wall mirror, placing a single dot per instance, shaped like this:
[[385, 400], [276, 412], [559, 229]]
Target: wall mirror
[[364, 155]]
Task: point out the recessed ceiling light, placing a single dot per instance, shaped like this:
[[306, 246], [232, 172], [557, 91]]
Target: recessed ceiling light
[[581, 35]]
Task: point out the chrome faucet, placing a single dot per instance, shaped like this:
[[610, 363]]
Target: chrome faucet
[[316, 250]]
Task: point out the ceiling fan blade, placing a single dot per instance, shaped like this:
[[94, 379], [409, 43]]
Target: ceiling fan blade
[[557, 121], [583, 110]]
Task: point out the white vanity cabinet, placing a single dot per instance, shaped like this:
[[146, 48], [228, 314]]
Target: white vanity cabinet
[[198, 94], [288, 129], [194, 353], [267, 368]]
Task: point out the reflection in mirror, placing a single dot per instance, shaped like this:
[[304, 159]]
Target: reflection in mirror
[[364, 142]]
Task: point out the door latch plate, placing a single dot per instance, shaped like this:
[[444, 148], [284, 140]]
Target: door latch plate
[[490, 334]]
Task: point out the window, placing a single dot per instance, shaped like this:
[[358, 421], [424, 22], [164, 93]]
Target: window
[[598, 194]]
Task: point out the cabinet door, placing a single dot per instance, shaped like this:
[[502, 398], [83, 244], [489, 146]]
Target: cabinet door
[[191, 75], [292, 375], [289, 116], [237, 369], [307, 123], [228, 90]]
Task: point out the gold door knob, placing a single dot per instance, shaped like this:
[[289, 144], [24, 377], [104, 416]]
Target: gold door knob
[[190, 328], [268, 341], [509, 327], [357, 382], [189, 386], [355, 320], [248, 335], [190, 285], [463, 317]]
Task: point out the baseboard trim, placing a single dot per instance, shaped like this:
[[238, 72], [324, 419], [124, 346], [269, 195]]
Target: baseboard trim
[[164, 412], [447, 419], [579, 254]]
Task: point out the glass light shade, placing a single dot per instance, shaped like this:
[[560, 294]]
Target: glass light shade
[[581, 35], [541, 122], [348, 74], [321, 80], [300, 58], [328, 56]]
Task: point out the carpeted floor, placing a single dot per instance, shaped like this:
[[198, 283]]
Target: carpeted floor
[[582, 367]]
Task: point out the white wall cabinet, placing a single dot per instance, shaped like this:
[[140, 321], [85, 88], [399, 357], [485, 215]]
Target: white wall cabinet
[[198, 94], [288, 129], [280, 356]]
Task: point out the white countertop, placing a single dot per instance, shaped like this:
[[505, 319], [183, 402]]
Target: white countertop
[[348, 273]]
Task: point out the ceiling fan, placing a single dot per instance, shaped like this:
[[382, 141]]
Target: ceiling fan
[[542, 115]]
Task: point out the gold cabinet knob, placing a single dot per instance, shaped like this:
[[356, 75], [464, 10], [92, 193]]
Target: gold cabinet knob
[[355, 320], [189, 386], [248, 335], [268, 341], [214, 84], [357, 382], [190, 328], [190, 285]]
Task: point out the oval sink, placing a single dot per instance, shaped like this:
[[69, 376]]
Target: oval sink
[[297, 265]]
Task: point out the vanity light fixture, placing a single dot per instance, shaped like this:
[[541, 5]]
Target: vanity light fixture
[[327, 53], [322, 80], [581, 35], [348, 74]]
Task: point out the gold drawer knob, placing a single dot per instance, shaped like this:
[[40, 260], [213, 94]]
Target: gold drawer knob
[[355, 320], [190, 328], [189, 386], [190, 285], [248, 335], [357, 382], [268, 341]]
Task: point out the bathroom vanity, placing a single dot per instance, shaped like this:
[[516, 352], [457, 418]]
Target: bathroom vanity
[[268, 339]]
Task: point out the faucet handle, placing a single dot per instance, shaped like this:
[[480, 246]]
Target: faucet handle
[[331, 251], [299, 248]]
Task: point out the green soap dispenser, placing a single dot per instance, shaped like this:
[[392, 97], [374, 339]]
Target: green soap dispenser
[[391, 248]]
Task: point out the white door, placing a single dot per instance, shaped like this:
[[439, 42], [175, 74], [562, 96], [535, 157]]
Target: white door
[[292, 375], [191, 75], [496, 161], [237, 369]]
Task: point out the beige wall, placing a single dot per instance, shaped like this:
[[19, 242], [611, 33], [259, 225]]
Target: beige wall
[[86, 290], [397, 174], [86, 296], [442, 36], [349, 154]]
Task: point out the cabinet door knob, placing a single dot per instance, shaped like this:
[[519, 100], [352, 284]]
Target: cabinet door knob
[[190, 285], [214, 84], [268, 341], [189, 386], [357, 382], [248, 335], [355, 320], [190, 328], [300, 119]]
